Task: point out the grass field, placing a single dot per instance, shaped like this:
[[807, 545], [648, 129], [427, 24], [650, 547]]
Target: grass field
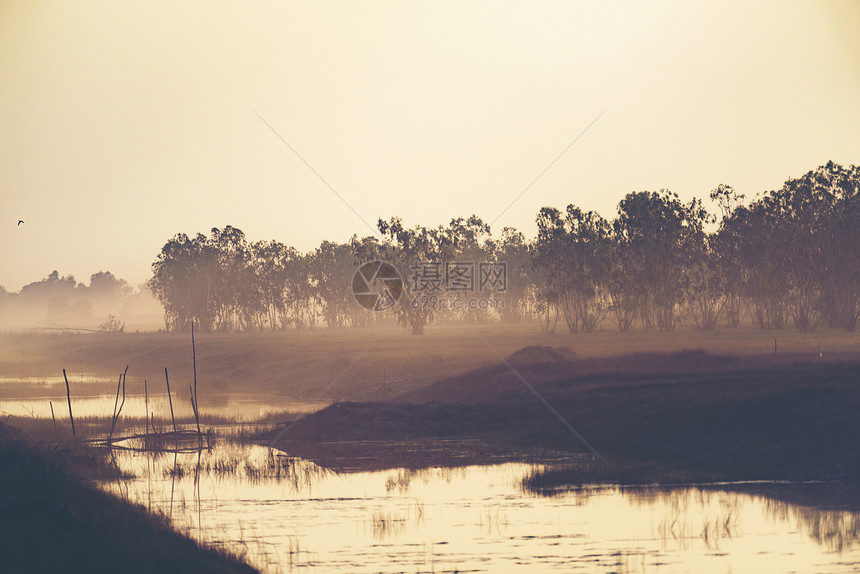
[[348, 364]]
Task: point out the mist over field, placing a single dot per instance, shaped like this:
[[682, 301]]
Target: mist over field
[[55, 302], [429, 286], [669, 345]]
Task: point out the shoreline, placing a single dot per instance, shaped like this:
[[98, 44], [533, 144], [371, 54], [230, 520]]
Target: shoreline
[[656, 418]]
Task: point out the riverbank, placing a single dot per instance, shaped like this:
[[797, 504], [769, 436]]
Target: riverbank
[[649, 417], [51, 520]]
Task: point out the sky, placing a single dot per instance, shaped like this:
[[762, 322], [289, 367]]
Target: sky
[[123, 123]]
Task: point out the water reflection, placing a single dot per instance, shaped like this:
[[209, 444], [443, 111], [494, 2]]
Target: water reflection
[[287, 513], [835, 530], [235, 406]]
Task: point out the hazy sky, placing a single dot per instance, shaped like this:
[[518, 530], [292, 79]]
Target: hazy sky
[[123, 123]]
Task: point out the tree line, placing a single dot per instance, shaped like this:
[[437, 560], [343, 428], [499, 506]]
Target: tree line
[[788, 257], [61, 301]]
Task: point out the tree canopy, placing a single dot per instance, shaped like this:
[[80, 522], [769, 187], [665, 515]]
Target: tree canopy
[[788, 257]]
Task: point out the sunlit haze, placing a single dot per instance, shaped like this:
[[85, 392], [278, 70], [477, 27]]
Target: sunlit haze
[[124, 123]]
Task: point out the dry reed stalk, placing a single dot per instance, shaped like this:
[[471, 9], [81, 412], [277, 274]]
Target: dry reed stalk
[[169, 399], [146, 405], [115, 411], [194, 399], [56, 433], [69, 399], [194, 408], [115, 416]]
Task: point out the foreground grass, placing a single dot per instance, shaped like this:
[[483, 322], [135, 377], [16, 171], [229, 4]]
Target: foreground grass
[[52, 521]]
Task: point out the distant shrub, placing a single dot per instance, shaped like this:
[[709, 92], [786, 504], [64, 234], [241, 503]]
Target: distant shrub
[[112, 325]]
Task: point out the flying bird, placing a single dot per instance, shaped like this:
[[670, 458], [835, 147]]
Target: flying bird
[[20, 221]]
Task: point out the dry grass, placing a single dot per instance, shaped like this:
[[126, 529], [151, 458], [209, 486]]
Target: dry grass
[[350, 364], [52, 521]]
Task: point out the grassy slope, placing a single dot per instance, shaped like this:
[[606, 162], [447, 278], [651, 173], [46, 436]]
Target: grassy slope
[[51, 521]]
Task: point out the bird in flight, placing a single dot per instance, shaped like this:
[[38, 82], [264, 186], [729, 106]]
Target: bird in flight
[[20, 221]]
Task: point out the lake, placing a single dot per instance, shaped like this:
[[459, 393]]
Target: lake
[[287, 514]]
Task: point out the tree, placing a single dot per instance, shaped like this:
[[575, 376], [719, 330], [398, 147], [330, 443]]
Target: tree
[[105, 284], [725, 247], [766, 286], [270, 261], [465, 246], [51, 286], [622, 284], [513, 250], [62, 297], [301, 292], [236, 298], [331, 273], [184, 277], [827, 201], [649, 234], [415, 252], [572, 252], [704, 290], [108, 295]]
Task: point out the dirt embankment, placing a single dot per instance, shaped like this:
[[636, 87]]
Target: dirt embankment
[[759, 417]]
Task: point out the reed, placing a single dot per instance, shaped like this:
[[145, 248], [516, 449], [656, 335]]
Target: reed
[[169, 399], [53, 418], [69, 398], [115, 411]]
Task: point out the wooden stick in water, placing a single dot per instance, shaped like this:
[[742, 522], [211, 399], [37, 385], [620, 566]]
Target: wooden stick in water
[[194, 364], [115, 403], [115, 410], [194, 408], [170, 400], [146, 405], [122, 404], [194, 399], [69, 398]]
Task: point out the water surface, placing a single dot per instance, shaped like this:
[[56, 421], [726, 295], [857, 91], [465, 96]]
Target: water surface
[[33, 397], [288, 514]]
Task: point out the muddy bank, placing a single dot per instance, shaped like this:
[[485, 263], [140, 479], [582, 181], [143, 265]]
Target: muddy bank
[[700, 415]]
